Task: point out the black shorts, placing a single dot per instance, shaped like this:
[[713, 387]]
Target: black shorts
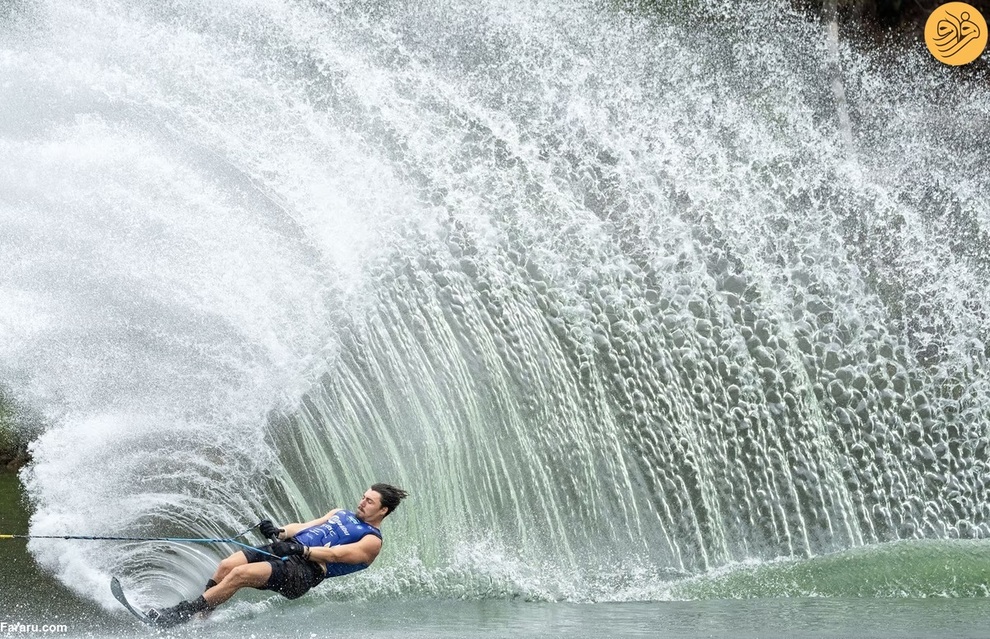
[[291, 578]]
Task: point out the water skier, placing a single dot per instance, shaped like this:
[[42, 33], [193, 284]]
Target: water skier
[[339, 543]]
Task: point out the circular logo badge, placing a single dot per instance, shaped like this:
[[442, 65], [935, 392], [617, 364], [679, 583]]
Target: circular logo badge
[[956, 33]]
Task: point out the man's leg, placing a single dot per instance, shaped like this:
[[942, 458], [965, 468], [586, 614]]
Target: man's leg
[[225, 566], [241, 576], [232, 561]]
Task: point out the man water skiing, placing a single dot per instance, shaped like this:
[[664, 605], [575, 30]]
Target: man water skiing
[[339, 543]]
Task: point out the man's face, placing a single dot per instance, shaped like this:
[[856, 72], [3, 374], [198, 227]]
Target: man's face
[[370, 505]]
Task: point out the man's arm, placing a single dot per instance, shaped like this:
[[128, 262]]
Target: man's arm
[[363, 551], [291, 530]]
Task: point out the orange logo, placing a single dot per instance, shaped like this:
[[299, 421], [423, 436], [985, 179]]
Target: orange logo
[[956, 33]]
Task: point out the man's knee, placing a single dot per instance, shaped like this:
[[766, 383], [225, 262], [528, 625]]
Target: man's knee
[[231, 562], [249, 575]]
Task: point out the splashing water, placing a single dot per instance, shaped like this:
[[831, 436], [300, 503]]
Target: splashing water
[[605, 291]]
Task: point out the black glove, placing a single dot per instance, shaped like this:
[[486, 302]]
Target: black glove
[[288, 548], [269, 530]]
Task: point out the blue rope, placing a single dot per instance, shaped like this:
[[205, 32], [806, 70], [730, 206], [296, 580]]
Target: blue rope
[[178, 540]]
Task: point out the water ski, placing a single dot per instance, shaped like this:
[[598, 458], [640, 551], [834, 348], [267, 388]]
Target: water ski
[[118, 594]]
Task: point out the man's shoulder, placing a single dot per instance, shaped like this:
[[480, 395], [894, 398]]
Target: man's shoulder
[[371, 540]]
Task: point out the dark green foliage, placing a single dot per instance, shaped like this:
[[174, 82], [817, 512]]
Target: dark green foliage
[[13, 446]]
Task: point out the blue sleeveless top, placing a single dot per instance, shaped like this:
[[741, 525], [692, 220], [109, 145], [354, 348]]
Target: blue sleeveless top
[[343, 528]]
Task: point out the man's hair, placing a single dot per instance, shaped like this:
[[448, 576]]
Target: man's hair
[[391, 496]]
